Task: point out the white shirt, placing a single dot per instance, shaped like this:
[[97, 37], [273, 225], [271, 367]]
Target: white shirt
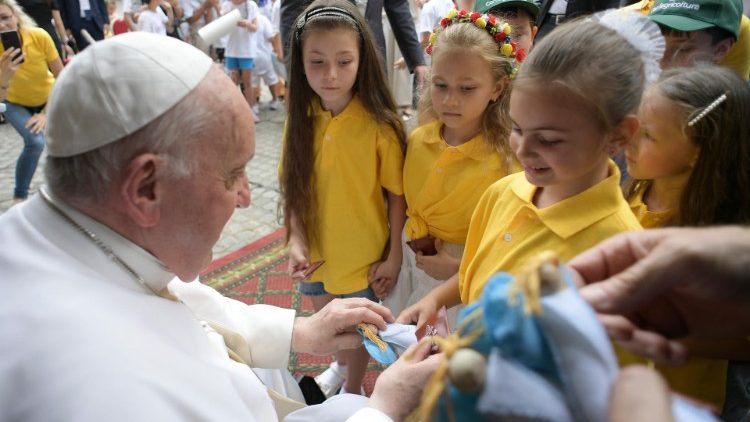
[[241, 43], [189, 7], [83, 341], [276, 15], [153, 21], [432, 13], [263, 36]]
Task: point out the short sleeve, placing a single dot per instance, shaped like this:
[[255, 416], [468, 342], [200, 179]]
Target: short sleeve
[[187, 8], [47, 45], [252, 10], [391, 161], [54, 6]]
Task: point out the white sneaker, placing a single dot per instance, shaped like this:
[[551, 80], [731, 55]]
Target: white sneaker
[[256, 110], [275, 104], [331, 380], [256, 119]]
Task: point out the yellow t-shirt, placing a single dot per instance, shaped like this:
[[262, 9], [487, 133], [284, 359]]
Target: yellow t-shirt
[[32, 83], [699, 378], [355, 158], [443, 183], [648, 219], [507, 229], [738, 58]]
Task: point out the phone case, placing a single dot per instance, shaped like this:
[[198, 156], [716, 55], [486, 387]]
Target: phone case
[[312, 268], [426, 245]]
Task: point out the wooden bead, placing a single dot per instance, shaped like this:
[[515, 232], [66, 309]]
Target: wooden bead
[[466, 370]]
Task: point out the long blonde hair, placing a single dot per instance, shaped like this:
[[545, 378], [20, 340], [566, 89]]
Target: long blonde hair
[[24, 21], [467, 38]]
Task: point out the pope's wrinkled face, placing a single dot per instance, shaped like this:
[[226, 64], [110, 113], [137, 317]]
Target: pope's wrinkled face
[[200, 205]]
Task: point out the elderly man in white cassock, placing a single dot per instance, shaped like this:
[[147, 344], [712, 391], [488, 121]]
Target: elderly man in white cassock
[[147, 144]]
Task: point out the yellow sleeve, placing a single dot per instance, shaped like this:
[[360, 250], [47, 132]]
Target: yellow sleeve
[[738, 58], [390, 160], [47, 45]]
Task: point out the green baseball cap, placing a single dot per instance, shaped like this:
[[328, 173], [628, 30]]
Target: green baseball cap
[[694, 15], [531, 6]]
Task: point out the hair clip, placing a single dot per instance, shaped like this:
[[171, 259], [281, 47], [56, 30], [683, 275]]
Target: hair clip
[[708, 109], [327, 11]]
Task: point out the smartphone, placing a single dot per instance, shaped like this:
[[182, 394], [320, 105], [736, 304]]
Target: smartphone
[[311, 269], [11, 39], [426, 245]]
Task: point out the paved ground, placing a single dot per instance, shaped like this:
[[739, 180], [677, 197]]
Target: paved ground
[[245, 226]]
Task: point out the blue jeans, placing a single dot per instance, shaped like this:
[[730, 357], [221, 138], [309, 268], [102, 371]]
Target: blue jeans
[[33, 144]]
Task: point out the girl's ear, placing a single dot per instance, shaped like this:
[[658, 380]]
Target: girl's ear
[[623, 133], [499, 88]]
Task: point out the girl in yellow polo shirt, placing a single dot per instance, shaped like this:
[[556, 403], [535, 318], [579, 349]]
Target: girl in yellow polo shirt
[[689, 165], [25, 87], [452, 160], [573, 107], [343, 157]]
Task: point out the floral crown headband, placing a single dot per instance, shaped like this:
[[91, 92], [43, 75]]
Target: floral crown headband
[[498, 30]]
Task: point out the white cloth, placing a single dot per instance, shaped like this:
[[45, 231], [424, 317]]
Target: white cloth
[[432, 13], [85, 5], [241, 43], [413, 284], [558, 7], [276, 15], [153, 21], [89, 343]]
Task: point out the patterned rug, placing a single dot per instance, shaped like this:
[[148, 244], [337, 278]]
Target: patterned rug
[[256, 273]]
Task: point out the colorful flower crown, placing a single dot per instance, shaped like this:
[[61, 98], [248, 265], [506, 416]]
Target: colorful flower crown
[[500, 31]]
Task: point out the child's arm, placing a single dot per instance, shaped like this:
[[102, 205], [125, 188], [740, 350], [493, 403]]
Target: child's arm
[[446, 294], [440, 266], [299, 256], [386, 272]]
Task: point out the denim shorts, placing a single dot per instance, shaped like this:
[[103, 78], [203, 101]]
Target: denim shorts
[[235, 63], [316, 288]]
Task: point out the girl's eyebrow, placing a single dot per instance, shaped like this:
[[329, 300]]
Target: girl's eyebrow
[[535, 129]]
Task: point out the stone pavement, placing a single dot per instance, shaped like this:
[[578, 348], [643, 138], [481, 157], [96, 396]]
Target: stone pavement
[[245, 226]]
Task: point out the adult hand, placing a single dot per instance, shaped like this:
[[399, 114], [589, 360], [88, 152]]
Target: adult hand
[[640, 394], [420, 75], [441, 266], [399, 388], [36, 122], [658, 285], [333, 328]]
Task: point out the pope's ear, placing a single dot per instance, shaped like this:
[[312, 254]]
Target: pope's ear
[[141, 189]]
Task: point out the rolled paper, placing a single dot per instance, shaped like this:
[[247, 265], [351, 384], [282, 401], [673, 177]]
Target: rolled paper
[[211, 33]]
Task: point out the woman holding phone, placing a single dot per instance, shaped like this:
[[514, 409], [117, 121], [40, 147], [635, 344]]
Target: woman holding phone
[[26, 78]]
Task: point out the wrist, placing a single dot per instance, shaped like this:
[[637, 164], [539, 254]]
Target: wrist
[[299, 336]]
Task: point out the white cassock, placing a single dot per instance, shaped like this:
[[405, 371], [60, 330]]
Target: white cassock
[[81, 340]]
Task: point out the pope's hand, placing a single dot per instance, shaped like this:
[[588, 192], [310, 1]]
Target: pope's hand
[[333, 328]]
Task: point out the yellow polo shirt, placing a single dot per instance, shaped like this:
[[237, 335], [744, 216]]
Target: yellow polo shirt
[[699, 378], [32, 83], [507, 228], [443, 183], [738, 58], [648, 219], [356, 157]]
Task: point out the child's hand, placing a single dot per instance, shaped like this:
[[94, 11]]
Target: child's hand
[[420, 312], [382, 287], [299, 260], [441, 266]]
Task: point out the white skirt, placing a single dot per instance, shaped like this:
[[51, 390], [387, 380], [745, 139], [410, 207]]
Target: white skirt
[[413, 284]]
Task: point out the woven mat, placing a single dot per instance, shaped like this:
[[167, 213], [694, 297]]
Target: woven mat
[[256, 273]]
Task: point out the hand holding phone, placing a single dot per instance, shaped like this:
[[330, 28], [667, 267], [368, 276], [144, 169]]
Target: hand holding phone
[[10, 39], [311, 269]]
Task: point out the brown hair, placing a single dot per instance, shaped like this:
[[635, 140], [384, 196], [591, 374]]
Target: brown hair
[[715, 191], [594, 63], [466, 37], [297, 180]]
